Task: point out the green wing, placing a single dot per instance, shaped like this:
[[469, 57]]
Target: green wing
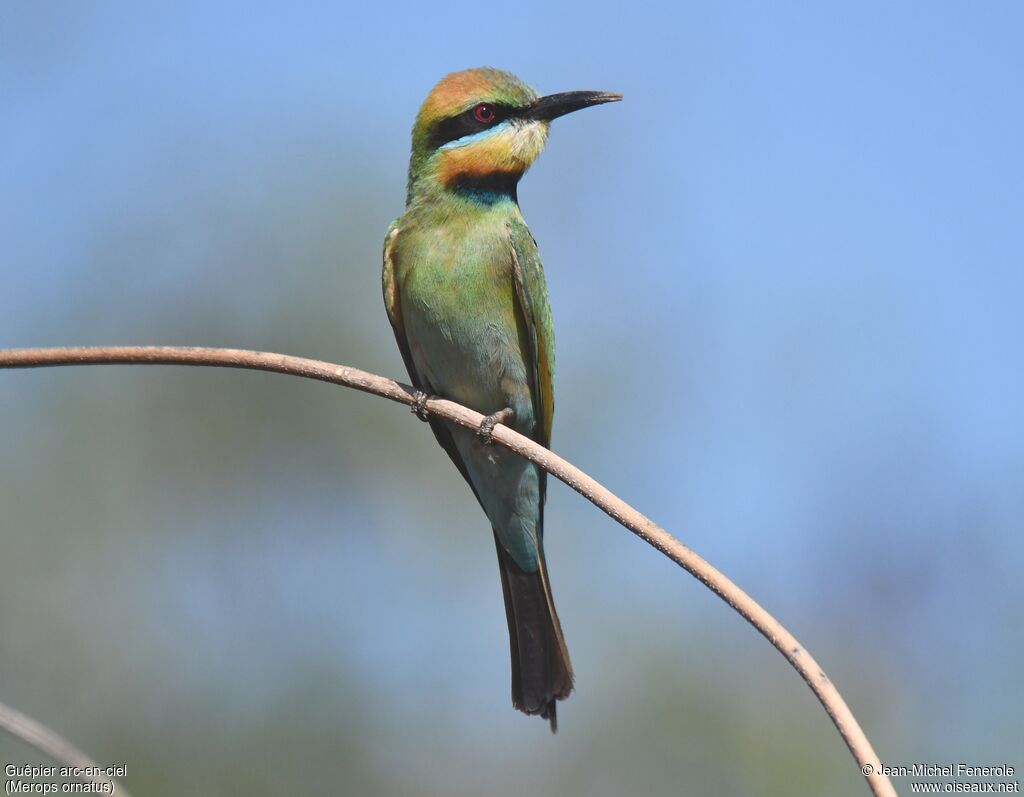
[[535, 313], [392, 303]]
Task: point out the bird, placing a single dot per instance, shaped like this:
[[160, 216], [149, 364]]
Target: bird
[[465, 293]]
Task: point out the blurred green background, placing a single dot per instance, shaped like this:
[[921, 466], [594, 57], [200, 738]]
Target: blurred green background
[[787, 282]]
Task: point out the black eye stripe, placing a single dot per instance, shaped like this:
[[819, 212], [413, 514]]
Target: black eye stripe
[[466, 123]]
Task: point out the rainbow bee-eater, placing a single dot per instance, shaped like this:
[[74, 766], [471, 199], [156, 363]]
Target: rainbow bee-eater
[[465, 292]]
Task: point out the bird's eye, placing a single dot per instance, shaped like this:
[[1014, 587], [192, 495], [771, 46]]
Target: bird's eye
[[484, 113]]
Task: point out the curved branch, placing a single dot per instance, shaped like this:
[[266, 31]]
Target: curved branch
[[57, 748], [605, 500]]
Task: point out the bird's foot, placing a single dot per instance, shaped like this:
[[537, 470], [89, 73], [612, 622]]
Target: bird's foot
[[486, 430], [419, 406]]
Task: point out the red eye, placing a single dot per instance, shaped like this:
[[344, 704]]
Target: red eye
[[484, 113]]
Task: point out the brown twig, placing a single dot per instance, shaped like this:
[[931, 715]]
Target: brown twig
[[618, 509], [60, 750]]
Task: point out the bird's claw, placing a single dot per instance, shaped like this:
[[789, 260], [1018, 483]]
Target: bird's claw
[[486, 430], [419, 406]]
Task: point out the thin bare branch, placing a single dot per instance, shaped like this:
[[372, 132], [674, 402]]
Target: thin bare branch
[[643, 527], [60, 750]]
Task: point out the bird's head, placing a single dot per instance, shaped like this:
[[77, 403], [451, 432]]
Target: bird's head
[[482, 128]]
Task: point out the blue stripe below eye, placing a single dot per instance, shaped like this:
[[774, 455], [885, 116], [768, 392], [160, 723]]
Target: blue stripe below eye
[[459, 142]]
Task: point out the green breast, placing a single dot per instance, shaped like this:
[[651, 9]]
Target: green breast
[[458, 304]]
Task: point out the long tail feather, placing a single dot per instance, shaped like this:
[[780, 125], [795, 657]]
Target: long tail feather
[[541, 671]]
